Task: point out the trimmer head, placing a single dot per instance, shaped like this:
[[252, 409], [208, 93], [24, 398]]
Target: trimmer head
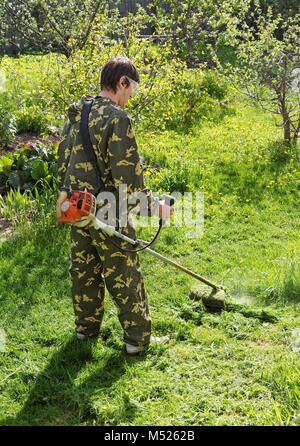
[[212, 298]]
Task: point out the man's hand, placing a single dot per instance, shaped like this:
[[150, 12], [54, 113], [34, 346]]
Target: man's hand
[[84, 222], [164, 211], [61, 198]]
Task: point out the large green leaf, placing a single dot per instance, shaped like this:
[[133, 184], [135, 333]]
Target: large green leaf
[[15, 180], [28, 186], [25, 175], [43, 152], [29, 152], [39, 169], [20, 162], [6, 163], [53, 169]]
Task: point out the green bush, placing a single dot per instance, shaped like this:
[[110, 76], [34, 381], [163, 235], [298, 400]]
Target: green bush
[[33, 166], [199, 95], [31, 119], [7, 126]]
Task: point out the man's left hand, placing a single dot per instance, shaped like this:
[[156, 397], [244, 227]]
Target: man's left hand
[[84, 222]]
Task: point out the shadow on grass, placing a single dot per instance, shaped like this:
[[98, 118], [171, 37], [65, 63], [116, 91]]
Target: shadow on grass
[[186, 120], [280, 153], [34, 265], [62, 396]]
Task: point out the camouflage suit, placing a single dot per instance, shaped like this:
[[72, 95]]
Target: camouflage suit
[[95, 261]]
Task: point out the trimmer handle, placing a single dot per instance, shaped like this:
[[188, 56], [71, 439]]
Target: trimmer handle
[[169, 200]]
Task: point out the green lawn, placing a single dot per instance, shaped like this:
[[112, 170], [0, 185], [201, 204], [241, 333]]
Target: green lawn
[[219, 369]]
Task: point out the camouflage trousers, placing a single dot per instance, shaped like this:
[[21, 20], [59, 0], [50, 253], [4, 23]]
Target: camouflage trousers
[[97, 264]]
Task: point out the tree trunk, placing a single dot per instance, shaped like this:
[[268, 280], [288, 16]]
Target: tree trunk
[[287, 130], [285, 117]]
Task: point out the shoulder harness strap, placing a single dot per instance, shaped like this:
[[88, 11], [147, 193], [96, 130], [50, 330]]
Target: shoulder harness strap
[[87, 143]]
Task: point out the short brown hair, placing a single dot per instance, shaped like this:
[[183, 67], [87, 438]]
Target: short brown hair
[[114, 69]]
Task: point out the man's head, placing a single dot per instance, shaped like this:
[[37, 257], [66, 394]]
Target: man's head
[[120, 78]]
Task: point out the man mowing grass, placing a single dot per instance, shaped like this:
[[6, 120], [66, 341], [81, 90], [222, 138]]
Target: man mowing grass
[[96, 259]]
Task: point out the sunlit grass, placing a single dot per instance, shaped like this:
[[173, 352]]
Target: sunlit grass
[[220, 369]]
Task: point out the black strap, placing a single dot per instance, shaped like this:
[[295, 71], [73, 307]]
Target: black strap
[[87, 143]]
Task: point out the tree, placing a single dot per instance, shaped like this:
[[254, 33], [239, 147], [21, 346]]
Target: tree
[[194, 26], [286, 8], [268, 67], [51, 25]]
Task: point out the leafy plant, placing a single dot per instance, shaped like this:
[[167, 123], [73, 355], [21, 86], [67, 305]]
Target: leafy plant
[[33, 166], [16, 205], [31, 119]]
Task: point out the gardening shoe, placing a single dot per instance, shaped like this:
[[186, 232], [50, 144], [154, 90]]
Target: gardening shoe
[[81, 336], [134, 350]]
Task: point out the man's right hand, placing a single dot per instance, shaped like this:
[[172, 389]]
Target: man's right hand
[[61, 198], [164, 211]]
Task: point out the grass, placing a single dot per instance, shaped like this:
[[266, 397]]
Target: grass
[[219, 369]]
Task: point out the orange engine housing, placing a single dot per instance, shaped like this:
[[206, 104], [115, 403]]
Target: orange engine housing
[[79, 204]]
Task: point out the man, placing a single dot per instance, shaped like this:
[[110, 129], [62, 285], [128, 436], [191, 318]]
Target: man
[[96, 260]]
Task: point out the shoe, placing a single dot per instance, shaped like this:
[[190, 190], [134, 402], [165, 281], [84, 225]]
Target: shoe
[[81, 336], [135, 349]]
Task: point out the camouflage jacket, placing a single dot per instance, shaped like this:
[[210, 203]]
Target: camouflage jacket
[[114, 143]]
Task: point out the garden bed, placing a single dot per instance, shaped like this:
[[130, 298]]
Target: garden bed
[[29, 137]]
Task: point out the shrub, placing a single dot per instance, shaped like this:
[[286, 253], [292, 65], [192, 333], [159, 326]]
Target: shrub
[[199, 95], [31, 119]]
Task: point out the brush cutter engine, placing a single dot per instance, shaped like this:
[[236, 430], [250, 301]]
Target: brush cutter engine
[[79, 204]]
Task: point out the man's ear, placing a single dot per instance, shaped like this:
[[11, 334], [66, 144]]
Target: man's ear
[[124, 81]]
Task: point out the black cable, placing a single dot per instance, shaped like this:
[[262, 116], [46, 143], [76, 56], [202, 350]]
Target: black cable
[[140, 249]]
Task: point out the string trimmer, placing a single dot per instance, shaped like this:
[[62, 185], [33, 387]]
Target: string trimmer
[[81, 206]]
